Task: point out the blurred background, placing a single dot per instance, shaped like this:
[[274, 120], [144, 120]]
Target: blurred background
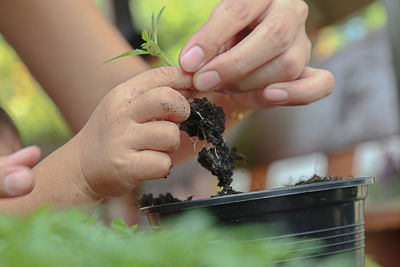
[[354, 132]]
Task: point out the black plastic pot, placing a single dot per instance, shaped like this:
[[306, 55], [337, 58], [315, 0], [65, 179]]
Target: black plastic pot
[[329, 216]]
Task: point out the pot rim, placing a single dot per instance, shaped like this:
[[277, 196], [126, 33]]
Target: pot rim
[[256, 195]]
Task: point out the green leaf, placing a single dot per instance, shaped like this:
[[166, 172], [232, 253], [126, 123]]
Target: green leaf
[[129, 53], [155, 32], [153, 27], [145, 35], [120, 226], [159, 15], [150, 46]]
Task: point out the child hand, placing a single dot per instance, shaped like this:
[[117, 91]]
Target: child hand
[[15, 175], [132, 131]]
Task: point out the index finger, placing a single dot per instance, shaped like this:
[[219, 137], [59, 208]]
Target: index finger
[[172, 77], [227, 19]]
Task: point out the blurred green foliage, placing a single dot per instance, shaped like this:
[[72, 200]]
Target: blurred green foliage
[[332, 38], [34, 114], [70, 238]]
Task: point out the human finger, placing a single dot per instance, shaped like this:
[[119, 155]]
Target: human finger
[[311, 86], [172, 77], [28, 156], [149, 164], [15, 181], [162, 103], [156, 135], [287, 67], [227, 19], [271, 38]]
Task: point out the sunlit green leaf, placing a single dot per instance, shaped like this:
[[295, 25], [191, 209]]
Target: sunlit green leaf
[[145, 35], [129, 53], [120, 226], [150, 46]]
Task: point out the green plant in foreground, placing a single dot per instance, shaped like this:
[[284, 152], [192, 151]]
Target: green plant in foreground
[[150, 45], [70, 238]]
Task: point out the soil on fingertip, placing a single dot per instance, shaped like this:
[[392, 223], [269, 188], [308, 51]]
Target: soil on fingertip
[[206, 122]]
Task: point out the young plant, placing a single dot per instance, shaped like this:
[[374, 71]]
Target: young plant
[[150, 45]]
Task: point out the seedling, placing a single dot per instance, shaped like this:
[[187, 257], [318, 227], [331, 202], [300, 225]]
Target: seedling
[[150, 45]]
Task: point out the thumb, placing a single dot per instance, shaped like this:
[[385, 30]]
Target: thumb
[[28, 156]]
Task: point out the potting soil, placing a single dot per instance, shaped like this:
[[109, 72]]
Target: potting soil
[[318, 179]]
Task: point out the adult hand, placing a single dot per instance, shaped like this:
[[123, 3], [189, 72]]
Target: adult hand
[[15, 175], [256, 46], [132, 132]]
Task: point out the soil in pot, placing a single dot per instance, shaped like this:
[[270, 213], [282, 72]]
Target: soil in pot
[[319, 179]]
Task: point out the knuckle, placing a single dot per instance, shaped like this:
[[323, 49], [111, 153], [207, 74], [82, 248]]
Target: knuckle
[[167, 95], [303, 8], [117, 165], [185, 108], [237, 9], [173, 136], [291, 68], [237, 67], [308, 45], [279, 32], [330, 82], [167, 74], [164, 165], [173, 103]]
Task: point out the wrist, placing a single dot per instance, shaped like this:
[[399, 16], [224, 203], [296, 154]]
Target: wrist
[[72, 148]]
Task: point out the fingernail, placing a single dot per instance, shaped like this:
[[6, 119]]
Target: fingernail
[[18, 183], [207, 81], [276, 95], [192, 59]]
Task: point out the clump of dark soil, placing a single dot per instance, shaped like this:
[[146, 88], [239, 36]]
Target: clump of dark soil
[[220, 161], [206, 122], [319, 179]]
